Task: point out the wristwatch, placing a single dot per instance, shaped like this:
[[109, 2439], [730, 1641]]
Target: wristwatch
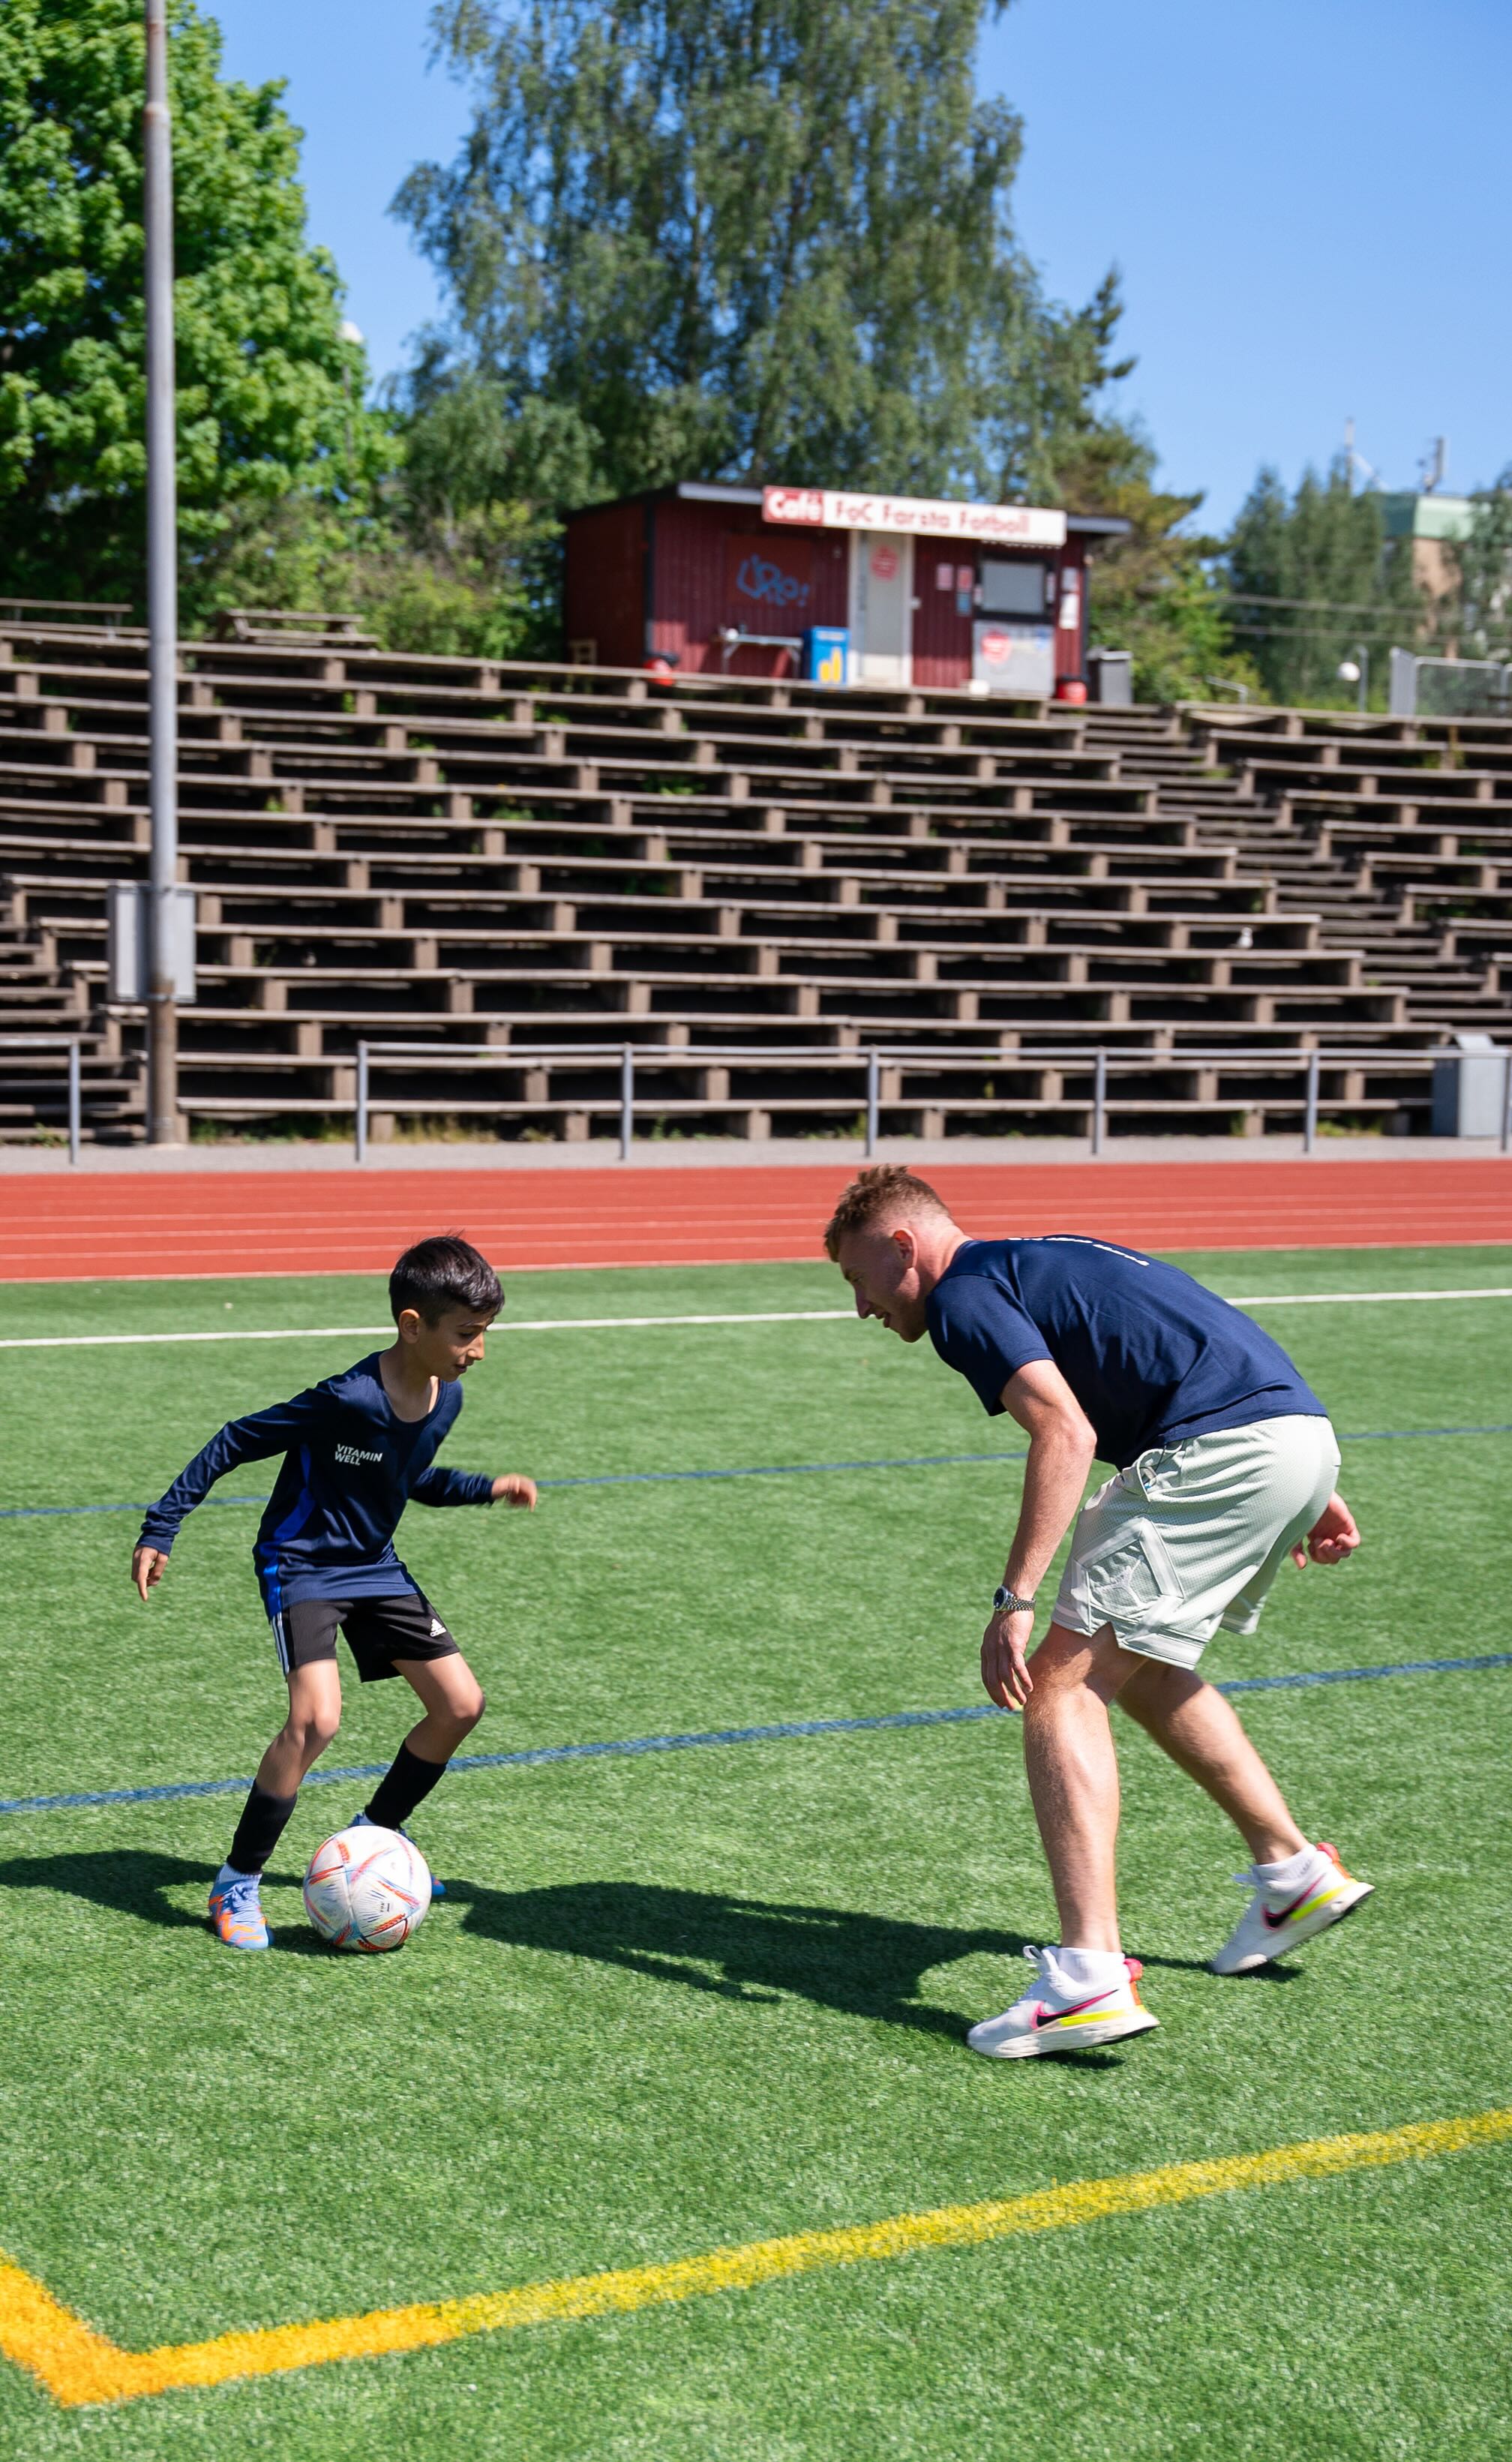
[[1009, 1601]]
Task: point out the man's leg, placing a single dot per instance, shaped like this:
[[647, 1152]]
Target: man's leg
[[1073, 1776], [1197, 1728], [1085, 1992], [1299, 1889]]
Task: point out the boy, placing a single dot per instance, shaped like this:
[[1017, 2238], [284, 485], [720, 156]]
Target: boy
[[355, 1450]]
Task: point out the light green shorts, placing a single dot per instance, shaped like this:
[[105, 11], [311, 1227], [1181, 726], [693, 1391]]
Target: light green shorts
[[1191, 1536]]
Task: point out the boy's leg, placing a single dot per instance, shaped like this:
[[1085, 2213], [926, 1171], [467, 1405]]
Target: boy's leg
[[452, 1698], [314, 1715]]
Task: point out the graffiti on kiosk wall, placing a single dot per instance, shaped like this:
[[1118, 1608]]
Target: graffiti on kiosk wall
[[767, 580]]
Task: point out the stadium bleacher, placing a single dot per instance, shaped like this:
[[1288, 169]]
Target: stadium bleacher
[[461, 852]]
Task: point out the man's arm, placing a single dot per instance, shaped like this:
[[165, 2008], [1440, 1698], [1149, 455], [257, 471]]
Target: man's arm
[[1062, 1449], [254, 1439]]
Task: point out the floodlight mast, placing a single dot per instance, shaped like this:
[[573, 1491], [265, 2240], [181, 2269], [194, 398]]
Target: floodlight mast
[[162, 589]]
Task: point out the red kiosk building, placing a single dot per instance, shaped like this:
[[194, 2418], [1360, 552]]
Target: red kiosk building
[[848, 587]]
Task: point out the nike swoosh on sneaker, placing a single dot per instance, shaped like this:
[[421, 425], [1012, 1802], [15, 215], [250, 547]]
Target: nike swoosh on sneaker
[[1311, 1896], [1044, 2016]]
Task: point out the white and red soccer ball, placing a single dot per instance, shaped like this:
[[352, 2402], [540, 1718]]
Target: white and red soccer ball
[[367, 1889]]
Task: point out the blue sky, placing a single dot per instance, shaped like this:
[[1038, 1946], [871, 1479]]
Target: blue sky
[[1308, 200]]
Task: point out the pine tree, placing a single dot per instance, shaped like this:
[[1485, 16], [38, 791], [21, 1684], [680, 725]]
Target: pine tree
[[1310, 577]]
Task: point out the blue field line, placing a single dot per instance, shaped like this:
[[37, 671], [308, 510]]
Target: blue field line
[[627, 1747], [758, 1470]]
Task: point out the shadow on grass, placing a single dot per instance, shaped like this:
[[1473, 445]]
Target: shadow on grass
[[737, 1949], [135, 1881], [859, 1964]]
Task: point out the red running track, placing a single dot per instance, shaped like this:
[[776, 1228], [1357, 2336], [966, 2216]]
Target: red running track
[[141, 1224]]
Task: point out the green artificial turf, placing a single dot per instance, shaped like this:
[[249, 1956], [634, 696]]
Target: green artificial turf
[[703, 1996]]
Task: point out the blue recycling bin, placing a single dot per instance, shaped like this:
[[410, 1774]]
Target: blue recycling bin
[[825, 655]]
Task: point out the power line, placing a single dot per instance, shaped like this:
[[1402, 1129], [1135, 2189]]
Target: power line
[[1317, 606]]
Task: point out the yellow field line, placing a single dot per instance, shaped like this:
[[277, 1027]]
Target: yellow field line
[[77, 2365]]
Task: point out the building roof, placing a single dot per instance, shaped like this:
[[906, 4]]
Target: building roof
[[706, 491], [1427, 517]]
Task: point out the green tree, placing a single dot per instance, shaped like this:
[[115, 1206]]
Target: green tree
[[1154, 592], [1309, 577], [269, 401], [760, 236]]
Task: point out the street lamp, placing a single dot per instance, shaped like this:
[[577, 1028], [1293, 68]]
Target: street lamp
[[354, 336], [162, 592], [1355, 669]]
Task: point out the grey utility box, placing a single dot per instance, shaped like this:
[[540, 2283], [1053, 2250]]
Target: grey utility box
[[128, 959], [1470, 1087], [1111, 675]]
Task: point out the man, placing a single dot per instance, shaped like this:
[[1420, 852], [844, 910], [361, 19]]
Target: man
[[1226, 1463]]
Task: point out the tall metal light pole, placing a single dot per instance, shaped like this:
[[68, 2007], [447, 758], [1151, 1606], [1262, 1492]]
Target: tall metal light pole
[[163, 589]]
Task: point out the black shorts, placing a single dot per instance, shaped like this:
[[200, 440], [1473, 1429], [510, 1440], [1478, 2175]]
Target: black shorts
[[402, 1625]]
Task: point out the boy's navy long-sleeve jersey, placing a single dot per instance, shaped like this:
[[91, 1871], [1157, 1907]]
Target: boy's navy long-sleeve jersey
[[351, 1465]]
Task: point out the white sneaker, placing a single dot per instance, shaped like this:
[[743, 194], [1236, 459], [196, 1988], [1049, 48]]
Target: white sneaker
[[1278, 1920], [1059, 2015]]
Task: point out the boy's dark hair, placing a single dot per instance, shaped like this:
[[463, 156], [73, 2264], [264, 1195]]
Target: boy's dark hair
[[445, 1272]]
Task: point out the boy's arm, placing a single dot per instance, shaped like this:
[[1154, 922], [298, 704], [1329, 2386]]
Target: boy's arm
[[254, 1439], [439, 1485]]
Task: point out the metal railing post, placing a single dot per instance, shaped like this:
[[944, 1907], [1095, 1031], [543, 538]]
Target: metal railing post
[[873, 1100], [360, 1139], [627, 1100], [1099, 1102], [1309, 1123], [74, 1103]]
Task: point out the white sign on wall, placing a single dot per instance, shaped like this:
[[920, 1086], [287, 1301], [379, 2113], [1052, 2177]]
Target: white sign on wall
[[831, 508], [1018, 659]]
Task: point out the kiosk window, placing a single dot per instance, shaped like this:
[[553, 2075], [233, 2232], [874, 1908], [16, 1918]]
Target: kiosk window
[[1016, 589]]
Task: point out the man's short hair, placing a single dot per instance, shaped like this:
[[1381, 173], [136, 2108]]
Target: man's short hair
[[445, 1272], [885, 1192]]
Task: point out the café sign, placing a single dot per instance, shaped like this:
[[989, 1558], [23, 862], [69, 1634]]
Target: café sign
[[915, 516]]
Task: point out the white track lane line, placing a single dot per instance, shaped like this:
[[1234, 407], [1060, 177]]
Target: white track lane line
[[611, 1324]]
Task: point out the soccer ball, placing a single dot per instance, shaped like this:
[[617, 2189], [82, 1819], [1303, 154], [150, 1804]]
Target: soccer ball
[[367, 1889]]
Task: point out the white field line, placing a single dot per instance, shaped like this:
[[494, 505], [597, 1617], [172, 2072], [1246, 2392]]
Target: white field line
[[621, 1324], [332, 1333]]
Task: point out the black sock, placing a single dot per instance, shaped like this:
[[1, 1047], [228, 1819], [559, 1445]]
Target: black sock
[[263, 1820], [398, 1791]]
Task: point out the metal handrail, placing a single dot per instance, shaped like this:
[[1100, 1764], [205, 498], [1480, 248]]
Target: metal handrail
[[68, 1042], [875, 1057]]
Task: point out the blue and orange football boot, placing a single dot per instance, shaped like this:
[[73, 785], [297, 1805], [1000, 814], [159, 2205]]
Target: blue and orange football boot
[[236, 1911]]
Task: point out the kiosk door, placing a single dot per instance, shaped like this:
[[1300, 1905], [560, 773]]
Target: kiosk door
[[881, 608]]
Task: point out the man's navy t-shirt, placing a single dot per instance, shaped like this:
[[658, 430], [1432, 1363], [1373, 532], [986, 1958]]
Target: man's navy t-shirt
[[1150, 1356]]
